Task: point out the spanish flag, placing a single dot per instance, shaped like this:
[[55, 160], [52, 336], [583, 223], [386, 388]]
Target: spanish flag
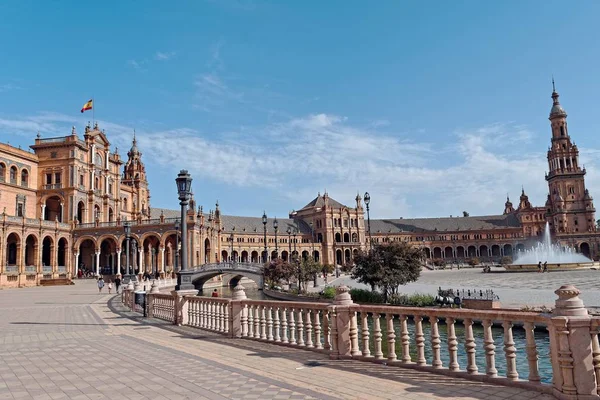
[[87, 106]]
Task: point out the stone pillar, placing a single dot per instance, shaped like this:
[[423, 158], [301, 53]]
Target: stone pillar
[[571, 347], [237, 309], [43, 211], [62, 210], [97, 263], [76, 264], [181, 305], [141, 253], [119, 262], [341, 318], [162, 260]]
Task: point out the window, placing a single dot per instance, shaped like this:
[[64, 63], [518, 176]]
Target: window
[[2, 172], [81, 180], [48, 179], [98, 160], [562, 130], [110, 188], [13, 174], [20, 210], [24, 178], [57, 178]]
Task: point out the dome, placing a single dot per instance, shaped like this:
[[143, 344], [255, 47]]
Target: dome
[[557, 110]]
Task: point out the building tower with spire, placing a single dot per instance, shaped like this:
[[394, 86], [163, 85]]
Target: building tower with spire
[[570, 208], [135, 194]]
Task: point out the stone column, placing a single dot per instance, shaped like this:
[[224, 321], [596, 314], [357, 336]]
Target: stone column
[[119, 262], [76, 269], [237, 309], [62, 210], [341, 319], [97, 263], [141, 264], [571, 347], [162, 259], [43, 211]]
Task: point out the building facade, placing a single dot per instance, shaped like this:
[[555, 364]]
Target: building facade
[[64, 206]]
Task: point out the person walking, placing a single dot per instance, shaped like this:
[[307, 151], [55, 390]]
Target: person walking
[[117, 283], [100, 284], [540, 267], [545, 266], [109, 287]]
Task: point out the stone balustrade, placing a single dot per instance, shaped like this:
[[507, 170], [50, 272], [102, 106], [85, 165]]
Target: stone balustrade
[[439, 340]]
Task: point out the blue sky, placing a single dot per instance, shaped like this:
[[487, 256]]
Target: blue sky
[[432, 107]]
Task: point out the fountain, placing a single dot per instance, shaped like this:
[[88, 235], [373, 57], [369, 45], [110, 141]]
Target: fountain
[[558, 257]]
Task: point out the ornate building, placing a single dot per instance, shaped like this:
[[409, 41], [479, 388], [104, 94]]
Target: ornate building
[[64, 207]]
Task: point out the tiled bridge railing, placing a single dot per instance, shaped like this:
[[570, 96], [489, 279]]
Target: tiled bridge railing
[[430, 339]]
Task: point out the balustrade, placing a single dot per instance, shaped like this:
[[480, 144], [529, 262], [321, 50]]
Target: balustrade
[[163, 306]]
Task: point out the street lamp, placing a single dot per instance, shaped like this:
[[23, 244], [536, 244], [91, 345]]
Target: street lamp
[[264, 221], [289, 232], [295, 232], [312, 234], [175, 267], [275, 226], [367, 198], [127, 227], [232, 258], [184, 189]]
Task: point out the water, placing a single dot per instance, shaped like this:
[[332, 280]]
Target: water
[[227, 292], [546, 251]]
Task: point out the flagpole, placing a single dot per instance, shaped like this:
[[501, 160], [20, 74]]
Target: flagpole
[[93, 112]]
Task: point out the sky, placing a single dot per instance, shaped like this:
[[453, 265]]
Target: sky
[[432, 107]]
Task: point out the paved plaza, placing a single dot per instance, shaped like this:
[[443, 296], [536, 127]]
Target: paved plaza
[[515, 289], [72, 343]]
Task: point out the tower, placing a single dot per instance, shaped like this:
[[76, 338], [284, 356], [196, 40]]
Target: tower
[[134, 186], [508, 206], [570, 208]]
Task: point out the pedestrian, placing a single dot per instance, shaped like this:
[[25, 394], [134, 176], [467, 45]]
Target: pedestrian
[[539, 267], [109, 287], [545, 266], [215, 293], [117, 283], [100, 284]]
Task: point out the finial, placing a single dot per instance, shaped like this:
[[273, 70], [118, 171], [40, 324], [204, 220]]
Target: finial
[[72, 131], [133, 135], [217, 204], [553, 87], [522, 189], [38, 134], [116, 150]]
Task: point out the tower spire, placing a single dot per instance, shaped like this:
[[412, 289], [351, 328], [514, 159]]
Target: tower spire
[[553, 87]]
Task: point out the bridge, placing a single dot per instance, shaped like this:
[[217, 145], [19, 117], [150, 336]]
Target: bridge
[[202, 273]]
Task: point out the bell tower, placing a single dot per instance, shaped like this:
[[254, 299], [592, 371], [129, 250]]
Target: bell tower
[[135, 184], [570, 208]]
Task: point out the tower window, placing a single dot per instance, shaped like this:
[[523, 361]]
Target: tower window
[[562, 130]]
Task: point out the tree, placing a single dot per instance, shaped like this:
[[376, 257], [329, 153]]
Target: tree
[[388, 266], [305, 271], [506, 260], [276, 271]]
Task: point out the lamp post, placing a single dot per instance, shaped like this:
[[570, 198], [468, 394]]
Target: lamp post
[[294, 234], [289, 232], [265, 252], [312, 245], [232, 258], [275, 226], [175, 267], [184, 188], [367, 199], [128, 276]]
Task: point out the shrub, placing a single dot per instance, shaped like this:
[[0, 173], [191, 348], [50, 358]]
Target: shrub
[[506, 260], [328, 292], [474, 261], [366, 296], [413, 300], [438, 262]]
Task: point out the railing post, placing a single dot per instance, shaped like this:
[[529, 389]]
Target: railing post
[[180, 305], [237, 310], [341, 323], [571, 347]]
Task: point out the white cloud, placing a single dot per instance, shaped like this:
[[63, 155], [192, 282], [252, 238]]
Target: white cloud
[[8, 87], [164, 56]]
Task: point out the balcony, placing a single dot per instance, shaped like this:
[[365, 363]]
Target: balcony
[[53, 186]]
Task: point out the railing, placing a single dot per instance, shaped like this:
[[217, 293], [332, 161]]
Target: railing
[[209, 313], [53, 186], [14, 219], [46, 268], [11, 269], [62, 268], [51, 140], [150, 221], [162, 306], [48, 223], [30, 268]]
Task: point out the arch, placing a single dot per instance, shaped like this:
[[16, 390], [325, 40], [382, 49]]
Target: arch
[[427, 252], [108, 249], [460, 252], [346, 237], [24, 177], [520, 247], [97, 213], [13, 249], [273, 255], [495, 250], [47, 250], [53, 209], [224, 256], [81, 212], [338, 237], [125, 204], [31, 250], [82, 239], [508, 250], [471, 251], [285, 255], [347, 256], [61, 252], [355, 237], [305, 255], [316, 256], [437, 252], [254, 257], [110, 214], [13, 175], [448, 252], [150, 251], [584, 248], [206, 251], [338, 257], [87, 250], [319, 238], [483, 251], [152, 234], [2, 172]]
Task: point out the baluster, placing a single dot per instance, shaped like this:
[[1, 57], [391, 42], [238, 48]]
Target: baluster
[[490, 354], [510, 352], [326, 331], [532, 353], [263, 323], [284, 325], [309, 331], [435, 343], [420, 340], [244, 321], [191, 313], [300, 328], [470, 347], [377, 336], [276, 324], [221, 317], [405, 336], [596, 352], [292, 325], [216, 316], [364, 327], [317, 325], [250, 321], [212, 312], [391, 337], [257, 322], [452, 346], [194, 308], [226, 318], [269, 323], [201, 314]]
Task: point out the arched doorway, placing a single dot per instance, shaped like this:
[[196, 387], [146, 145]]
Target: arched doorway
[[338, 257], [338, 237], [80, 212], [483, 251], [31, 251], [224, 256], [472, 251], [254, 257], [235, 257], [13, 247], [97, 214], [508, 250], [460, 252], [151, 255], [495, 251], [316, 256], [584, 248], [305, 255], [273, 255], [108, 257], [87, 256], [437, 252], [354, 237], [448, 253], [47, 249], [347, 256], [61, 255], [284, 255], [206, 251], [53, 209], [427, 252], [110, 215], [346, 237]]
